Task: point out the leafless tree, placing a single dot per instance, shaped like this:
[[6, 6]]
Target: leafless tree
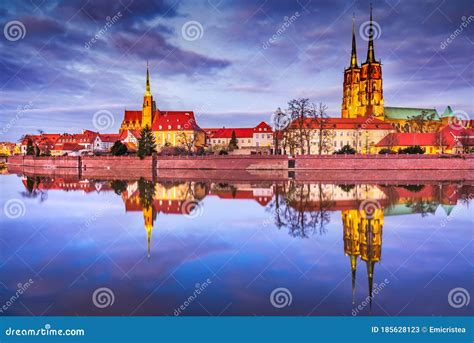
[[324, 133], [300, 110]]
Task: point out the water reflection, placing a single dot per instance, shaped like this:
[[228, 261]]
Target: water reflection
[[303, 209]]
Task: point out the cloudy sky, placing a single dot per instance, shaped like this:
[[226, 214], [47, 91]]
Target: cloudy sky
[[232, 62]]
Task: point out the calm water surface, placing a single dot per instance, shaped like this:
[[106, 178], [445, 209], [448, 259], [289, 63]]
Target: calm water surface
[[235, 248]]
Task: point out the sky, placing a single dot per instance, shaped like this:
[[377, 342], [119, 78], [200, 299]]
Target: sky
[[72, 65]]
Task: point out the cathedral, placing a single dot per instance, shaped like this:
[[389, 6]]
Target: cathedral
[[362, 90], [363, 94], [170, 128]]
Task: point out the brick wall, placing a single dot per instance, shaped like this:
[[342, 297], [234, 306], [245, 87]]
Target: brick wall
[[383, 162], [115, 162], [224, 162]]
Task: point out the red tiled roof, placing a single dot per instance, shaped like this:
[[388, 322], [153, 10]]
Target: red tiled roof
[[109, 137], [239, 133], [411, 139], [262, 126], [174, 121], [363, 123], [132, 116]]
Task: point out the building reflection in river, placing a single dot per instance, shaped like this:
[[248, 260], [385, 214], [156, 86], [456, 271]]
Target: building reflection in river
[[304, 209]]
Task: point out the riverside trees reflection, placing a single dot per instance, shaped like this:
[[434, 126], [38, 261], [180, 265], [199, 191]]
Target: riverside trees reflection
[[355, 215]]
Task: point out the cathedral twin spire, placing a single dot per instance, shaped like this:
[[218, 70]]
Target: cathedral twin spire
[[370, 48]]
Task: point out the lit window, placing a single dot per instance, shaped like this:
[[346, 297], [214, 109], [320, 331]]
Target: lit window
[[169, 127]]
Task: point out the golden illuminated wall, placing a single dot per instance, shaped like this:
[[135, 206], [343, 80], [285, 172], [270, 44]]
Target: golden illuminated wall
[[350, 100], [371, 101]]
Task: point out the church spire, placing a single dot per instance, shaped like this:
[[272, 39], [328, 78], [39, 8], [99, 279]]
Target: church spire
[[370, 51], [147, 91], [353, 270], [354, 50]]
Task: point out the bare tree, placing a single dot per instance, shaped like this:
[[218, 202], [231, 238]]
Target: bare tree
[[188, 141], [324, 133], [299, 111]]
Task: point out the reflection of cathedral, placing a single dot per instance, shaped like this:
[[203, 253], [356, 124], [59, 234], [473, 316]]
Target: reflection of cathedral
[[297, 206], [363, 239]]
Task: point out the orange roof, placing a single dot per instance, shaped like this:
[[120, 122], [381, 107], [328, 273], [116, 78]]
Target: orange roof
[[67, 147]]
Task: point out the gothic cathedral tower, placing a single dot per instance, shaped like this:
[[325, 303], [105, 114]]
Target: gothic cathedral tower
[[362, 87], [148, 108], [371, 92], [350, 99]]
